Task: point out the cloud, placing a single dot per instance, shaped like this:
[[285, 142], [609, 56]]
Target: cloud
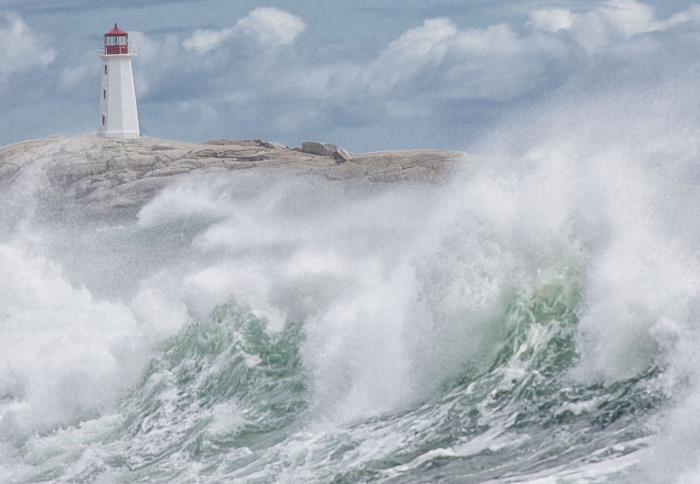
[[427, 71], [413, 51], [691, 15], [268, 26], [609, 23], [436, 77], [23, 48], [145, 47], [551, 20], [205, 40], [71, 76], [501, 61], [72, 6], [437, 59], [148, 51]]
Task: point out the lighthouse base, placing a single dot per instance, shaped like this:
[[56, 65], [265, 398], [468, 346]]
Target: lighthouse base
[[120, 134]]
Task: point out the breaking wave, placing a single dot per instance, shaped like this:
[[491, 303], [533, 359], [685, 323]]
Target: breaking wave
[[536, 318]]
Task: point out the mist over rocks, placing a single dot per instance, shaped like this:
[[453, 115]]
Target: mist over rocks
[[104, 176]]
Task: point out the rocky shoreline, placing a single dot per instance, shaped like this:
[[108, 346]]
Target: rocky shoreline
[[103, 175]]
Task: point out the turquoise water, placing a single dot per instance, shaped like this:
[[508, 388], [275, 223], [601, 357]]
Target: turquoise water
[[226, 400]]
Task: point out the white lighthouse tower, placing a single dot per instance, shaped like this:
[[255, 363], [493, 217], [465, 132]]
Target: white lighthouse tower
[[119, 117]]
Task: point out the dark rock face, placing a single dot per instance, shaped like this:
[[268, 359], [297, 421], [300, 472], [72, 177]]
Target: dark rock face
[[316, 148], [109, 176], [341, 155]]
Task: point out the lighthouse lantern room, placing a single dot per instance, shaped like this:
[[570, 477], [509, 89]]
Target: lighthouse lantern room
[[116, 41], [118, 112]]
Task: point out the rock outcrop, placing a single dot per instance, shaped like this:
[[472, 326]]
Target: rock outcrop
[[248, 142], [316, 148], [104, 175], [342, 155]]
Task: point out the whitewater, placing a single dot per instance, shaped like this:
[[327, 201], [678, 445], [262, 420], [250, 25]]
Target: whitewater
[[533, 320]]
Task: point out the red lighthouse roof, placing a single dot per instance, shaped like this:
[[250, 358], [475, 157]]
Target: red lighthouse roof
[[116, 31], [116, 42]]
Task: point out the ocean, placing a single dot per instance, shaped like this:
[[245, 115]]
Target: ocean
[[533, 320]]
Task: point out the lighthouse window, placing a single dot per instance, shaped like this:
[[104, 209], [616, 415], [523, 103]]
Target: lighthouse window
[[105, 69], [104, 94], [103, 120]]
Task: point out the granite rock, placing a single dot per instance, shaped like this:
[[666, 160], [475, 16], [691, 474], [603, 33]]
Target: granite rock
[[104, 176], [316, 148]]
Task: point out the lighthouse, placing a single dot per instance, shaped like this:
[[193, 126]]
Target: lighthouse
[[119, 117]]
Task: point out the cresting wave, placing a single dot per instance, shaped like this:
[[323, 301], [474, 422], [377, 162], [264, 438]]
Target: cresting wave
[[535, 319]]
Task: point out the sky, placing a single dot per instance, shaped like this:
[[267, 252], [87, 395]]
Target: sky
[[365, 75]]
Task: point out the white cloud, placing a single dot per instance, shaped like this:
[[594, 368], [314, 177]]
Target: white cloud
[[145, 47], [439, 59], [615, 20], [271, 26], [551, 20], [205, 40], [409, 54], [603, 25], [23, 49], [425, 42], [496, 63], [434, 67], [628, 17], [156, 60], [432, 61], [268, 26], [73, 75], [497, 40], [686, 16]]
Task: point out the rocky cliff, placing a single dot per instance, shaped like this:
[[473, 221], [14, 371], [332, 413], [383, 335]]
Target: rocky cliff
[[102, 175]]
